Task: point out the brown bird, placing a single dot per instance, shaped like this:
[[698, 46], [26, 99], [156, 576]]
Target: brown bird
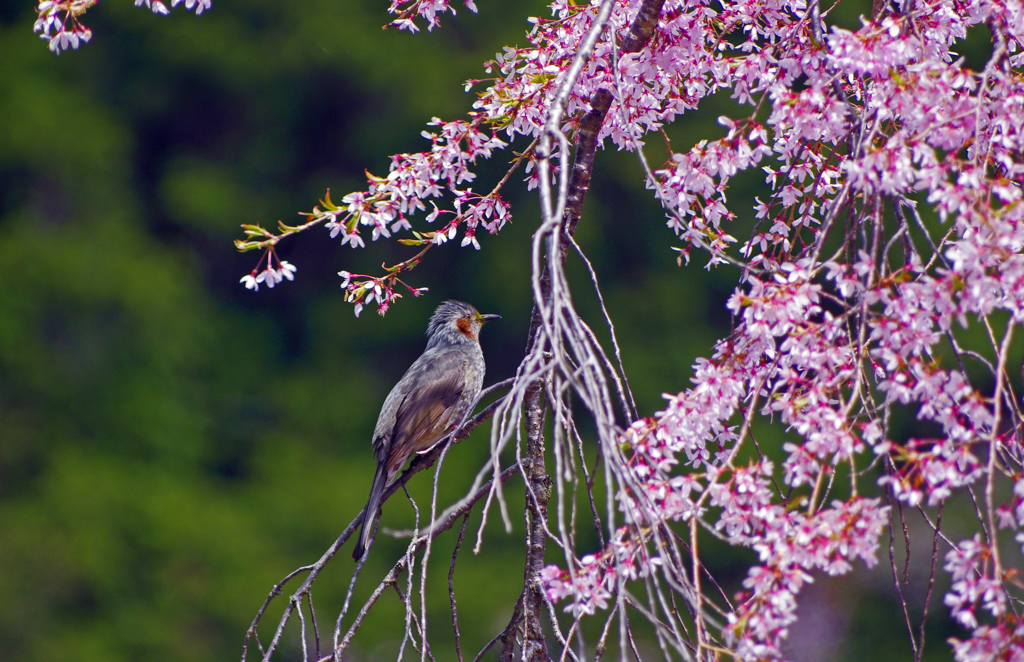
[[432, 397]]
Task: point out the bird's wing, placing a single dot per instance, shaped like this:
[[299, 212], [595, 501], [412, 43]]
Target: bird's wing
[[433, 390]]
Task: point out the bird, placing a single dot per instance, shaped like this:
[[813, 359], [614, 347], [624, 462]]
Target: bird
[[429, 401]]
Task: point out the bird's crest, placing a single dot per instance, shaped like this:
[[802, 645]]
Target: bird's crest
[[447, 312]]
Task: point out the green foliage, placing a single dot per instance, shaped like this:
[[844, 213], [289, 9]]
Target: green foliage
[[171, 445]]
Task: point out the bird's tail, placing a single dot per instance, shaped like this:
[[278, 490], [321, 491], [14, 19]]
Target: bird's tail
[[379, 483]]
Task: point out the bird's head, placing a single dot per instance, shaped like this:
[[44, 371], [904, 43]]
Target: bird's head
[[455, 322]]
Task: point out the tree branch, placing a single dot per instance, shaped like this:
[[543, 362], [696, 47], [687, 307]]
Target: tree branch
[[419, 463]]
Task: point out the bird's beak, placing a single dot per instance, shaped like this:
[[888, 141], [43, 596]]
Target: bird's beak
[[484, 319]]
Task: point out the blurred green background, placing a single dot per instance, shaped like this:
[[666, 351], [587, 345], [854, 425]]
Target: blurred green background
[[171, 444]]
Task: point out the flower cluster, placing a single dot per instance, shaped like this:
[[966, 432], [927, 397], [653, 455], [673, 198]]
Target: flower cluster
[[651, 87], [414, 178], [409, 10], [860, 122], [158, 7], [694, 185], [387, 203], [789, 545], [592, 581], [1001, 641], [362, 290], [59, 21], [270, 276], [974, 584]]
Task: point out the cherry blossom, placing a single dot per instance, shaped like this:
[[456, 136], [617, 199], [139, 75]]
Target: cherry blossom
[[887, 238], [59, 21], [885, 117]]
